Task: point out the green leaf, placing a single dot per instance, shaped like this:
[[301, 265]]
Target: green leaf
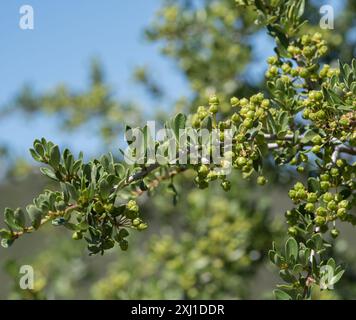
[[291, 249], [39, 148], [35, 215], [49, 173], [331, 263], [287, 276], [55, 157], [281, 295], [104, 189], [20, 218], [72, 191], [336, 277], [308, 136], [35, 156], [10, 218], [301, 8]]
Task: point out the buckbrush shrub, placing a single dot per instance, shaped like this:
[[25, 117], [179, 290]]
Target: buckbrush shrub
[[305, 121]]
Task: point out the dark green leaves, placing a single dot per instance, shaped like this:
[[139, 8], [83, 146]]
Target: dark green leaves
[[55, 157], [291, 249], [104, 189]]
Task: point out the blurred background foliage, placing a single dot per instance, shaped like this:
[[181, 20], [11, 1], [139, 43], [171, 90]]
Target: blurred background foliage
[[211, 244]]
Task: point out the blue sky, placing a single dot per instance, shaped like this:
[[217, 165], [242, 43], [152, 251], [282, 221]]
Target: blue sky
[[66, 35]]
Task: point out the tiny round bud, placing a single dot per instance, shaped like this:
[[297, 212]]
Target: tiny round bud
[[328, 196], [321, 211], [261, 180], [312, 197], [309, 207], [226, 185], [213, 99], [142, 226], [319, 220], [292, 231], [77, 236], [235, 102], [317, 140], [334, 233], [341, 213], [213, 108]]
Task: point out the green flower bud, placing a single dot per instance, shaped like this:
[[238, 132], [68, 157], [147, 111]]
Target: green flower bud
[[334, 233], [304, 73], [324, 185], [292, 194], [272, 60], [247, 123], [317, 37], [243, 102], [321, 115], [319, 220], [142, 226], [301, 194], [317, 140], [306, 40], [286, 67], [316, 149], [321, 211], [241, 161], [235, 118], [309, 207], [235, 102], [308, 52], [332, 205], [323, 50], [203, 170], [226, 185], [213, 100], [273, 70], [312, 197], [77, 236], [212, 175], [240, 137], [300, 169], [265, 103], [293, 231], [334, 172], [213, 108], [261, 180], [328, 196], [132, 206], [340, 163], [342, 213], [343, 204], [299, 186]]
